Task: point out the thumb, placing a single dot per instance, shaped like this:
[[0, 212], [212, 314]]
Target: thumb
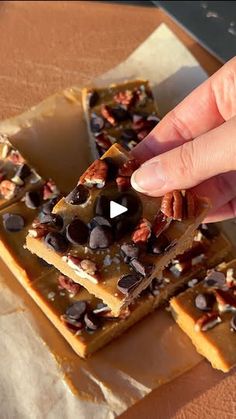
[[190, 164]]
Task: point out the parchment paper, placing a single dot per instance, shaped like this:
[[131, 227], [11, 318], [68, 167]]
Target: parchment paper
[[33, 356]]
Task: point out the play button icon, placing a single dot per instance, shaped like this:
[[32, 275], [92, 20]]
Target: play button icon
[[116, 209]]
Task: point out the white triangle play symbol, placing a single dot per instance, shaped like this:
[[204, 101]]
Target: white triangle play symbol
[[116, 209]]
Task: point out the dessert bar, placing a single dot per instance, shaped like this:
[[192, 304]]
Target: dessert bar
[[115, 258], [207, 314], [124, 113]]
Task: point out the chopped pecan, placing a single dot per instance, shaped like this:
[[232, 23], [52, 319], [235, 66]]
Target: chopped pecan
[[67, 284], [88, 266], [142, 232], [207, 321], [95, 175], [123, 183], [103, 141], [15, 157], [128, 168], [107, 113], [38, 232], [226, 301], [85, 268], [160, 223], [126, 98], [49, 189], [8, 189]]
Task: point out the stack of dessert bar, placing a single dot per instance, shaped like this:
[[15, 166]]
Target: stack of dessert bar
[[92, 274]]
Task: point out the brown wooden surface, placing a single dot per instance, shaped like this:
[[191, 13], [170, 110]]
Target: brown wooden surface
[[46, 46]]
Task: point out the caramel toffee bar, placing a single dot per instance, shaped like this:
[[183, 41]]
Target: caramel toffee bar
[[16, 176], [115, 258], [123, 113], [15, 221], [88, 324], [206, 313]]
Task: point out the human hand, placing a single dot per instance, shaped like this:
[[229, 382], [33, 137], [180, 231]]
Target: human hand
[[194, 146]]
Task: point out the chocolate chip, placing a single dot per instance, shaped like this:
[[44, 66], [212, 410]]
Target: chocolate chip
[[233, 323], [120, 114], [158, 245], [102, 206], [92, 321], [76, 310], [128, 135], [77, 232], [54, 221], [100, 237], [33, 199], [23, 171], [140, 268], [78, 196], [128, 282], [210, 231], [98, 220], [49, 205], [56, 241], [205, 301], [96, 123], [129, 251], [93, 98], [13, 222]]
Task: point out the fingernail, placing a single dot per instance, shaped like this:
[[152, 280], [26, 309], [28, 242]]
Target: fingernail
[[148, 178]]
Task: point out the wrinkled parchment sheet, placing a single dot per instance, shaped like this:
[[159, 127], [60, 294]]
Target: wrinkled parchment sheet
[[33, 355]]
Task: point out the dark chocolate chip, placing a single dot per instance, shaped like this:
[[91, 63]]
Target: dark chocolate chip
[[92, 321], [102, 206], [98, 220], [100, 237], [112, 168], [93, 98], [132, 203], [128, 135], [233, 323], [54, 221], [210, 231], [129, 251], [49, 205], [128, 282], [13, 222], [56, 241], [33, 199], [23, 171], [120, 114], [77, 232], [158, 245], [205, 301], [78, 196], [96, 123], [76, 310]]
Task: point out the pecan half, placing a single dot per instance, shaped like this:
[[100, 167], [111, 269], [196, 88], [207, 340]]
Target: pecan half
[[160, 223], [95, 175], [178, 205], [207, 321], [142, 232], [128, 168], [67, 284], [106, 112], [8, 189]]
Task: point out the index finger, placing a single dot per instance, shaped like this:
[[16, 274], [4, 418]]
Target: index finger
[[207, 107]]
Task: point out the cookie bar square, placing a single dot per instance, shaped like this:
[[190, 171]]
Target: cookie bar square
[[115, 258]]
